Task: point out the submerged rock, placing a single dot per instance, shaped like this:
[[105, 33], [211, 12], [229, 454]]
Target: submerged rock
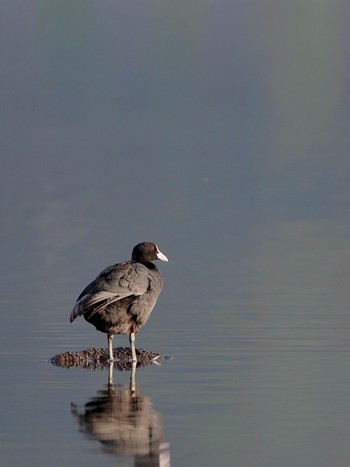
[[94, 359]]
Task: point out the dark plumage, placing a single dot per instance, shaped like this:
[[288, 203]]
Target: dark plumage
[[122, 297]]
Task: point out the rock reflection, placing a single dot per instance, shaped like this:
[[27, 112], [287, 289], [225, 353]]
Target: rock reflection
[[125, 423]]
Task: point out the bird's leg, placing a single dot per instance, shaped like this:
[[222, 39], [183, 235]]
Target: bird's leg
[[110, 347], [132, 346], [133, 379], [110, 375]]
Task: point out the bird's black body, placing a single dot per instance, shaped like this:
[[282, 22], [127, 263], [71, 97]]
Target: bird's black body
[[128, 314], [122, 297]]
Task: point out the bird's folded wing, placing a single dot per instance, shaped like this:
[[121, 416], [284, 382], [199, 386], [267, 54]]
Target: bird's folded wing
[[95, 302], [112, 284]]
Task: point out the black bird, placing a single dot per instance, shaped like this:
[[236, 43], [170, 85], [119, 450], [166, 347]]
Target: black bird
[[122, 297]]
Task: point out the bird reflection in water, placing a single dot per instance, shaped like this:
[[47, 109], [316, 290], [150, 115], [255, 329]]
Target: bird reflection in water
[[125, 423]]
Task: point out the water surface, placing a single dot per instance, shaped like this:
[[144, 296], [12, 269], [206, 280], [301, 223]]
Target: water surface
[[219, 132]]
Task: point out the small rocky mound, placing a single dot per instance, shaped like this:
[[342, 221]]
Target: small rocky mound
[[94, 359]]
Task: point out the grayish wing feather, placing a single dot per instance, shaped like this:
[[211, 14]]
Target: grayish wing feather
[[96, 301], [112, 284]]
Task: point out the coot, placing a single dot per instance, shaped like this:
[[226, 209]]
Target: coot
[[122, 297]]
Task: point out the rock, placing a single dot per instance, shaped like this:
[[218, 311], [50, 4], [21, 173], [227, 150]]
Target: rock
[[94, 359]]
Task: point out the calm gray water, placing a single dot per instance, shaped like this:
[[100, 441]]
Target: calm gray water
[[219, 130]]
